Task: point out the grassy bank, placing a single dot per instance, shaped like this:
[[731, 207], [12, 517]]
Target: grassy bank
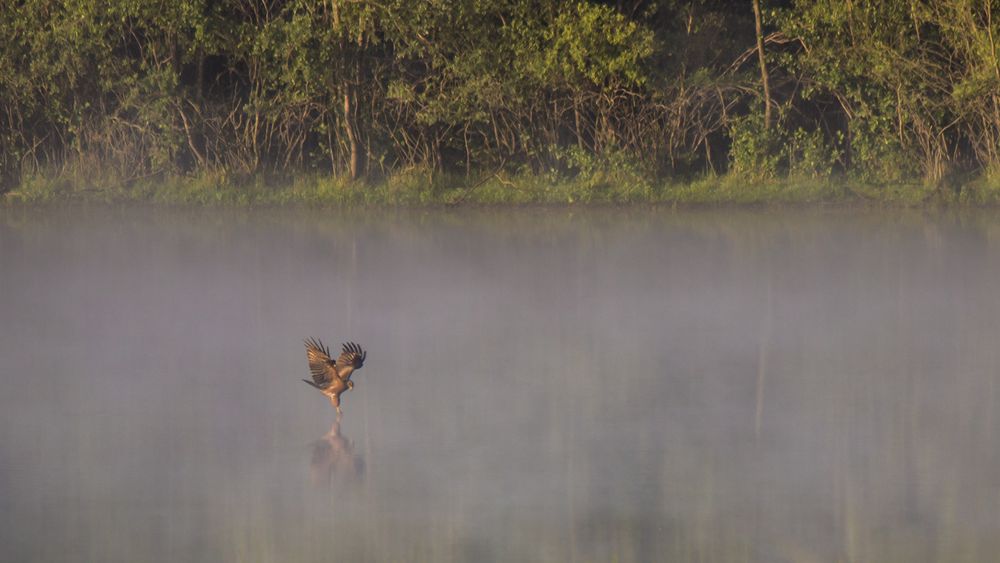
[[419, 188]]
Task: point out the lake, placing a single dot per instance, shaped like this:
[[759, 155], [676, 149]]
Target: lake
[[559, 384]]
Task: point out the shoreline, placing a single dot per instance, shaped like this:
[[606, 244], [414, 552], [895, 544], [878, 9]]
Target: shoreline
[[422, 190]]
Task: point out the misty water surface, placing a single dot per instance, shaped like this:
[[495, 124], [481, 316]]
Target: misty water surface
[[541, 385]]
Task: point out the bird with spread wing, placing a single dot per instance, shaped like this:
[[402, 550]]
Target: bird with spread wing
[[333, 377]]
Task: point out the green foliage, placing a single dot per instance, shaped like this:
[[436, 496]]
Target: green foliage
[[593, 43], [760, 154], [605, 100], [810, 155], [755, 152]]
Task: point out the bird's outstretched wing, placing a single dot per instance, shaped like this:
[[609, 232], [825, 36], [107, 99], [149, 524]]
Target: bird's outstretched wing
[[321, 366], [351, 357]]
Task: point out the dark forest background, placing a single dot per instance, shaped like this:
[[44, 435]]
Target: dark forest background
[[122, 91]]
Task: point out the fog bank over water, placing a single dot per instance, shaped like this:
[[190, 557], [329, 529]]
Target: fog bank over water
[[541, 384]]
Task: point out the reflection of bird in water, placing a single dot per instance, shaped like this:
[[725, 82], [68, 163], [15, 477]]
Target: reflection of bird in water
[[333, 456], [333, 377]]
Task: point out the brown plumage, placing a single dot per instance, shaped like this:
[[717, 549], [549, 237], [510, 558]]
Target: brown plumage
[[333, 377]]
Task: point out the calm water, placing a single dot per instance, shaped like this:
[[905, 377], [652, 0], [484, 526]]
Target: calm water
[[541, 385]]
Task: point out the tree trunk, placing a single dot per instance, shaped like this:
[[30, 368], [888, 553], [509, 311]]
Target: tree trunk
[[353, 74], [576, 122], [200, 79], [763, 65], [352, 138]]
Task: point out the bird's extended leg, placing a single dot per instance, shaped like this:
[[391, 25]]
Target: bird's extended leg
[[335, 401]]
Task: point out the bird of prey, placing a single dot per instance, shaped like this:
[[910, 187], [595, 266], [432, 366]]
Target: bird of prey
[[333, 377]]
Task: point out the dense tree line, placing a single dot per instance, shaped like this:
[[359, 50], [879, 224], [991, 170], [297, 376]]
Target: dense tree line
[[877, 91]]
